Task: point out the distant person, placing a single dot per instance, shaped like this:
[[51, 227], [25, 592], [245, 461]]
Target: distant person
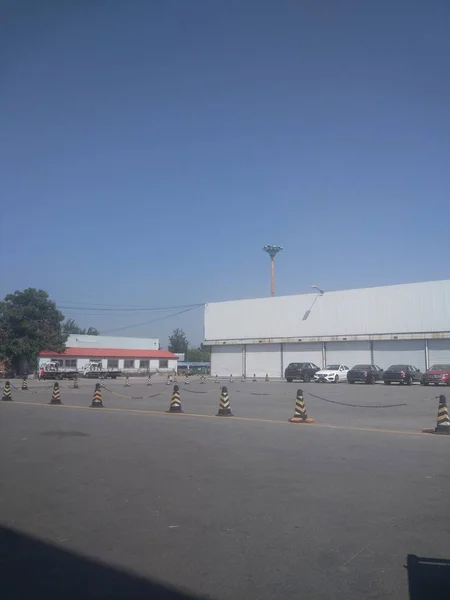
[[41, 373]]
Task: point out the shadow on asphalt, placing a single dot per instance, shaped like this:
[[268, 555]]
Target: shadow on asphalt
[[428, 578], [31, 568]]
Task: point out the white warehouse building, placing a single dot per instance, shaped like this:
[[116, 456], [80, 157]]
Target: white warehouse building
[[398, 324]]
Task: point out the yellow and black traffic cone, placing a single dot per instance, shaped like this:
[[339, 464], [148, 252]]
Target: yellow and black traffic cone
[[56, 394], [231, 378], [149, 380], [168, 382], [202, 379], [127, 382], [267, 377], [243, 379], [186, 381], [175, 402], [224, 404], [175, 377], [300, 415], [443, 421], [254, 378], [76, 385], [97, 401], [7, 396], [216, 380], [24, 384]]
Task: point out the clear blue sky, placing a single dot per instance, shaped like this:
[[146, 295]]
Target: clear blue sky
[[149, 148]]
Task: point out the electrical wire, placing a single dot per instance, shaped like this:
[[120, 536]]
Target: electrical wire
[[153, 320]]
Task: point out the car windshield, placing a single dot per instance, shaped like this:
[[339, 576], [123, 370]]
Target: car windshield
[[358, 367], [332, 367], [398, 368], [440, 368], [296, 365]]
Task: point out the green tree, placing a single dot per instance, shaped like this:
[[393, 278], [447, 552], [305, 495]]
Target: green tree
[[178, 341], [198, 355], [70, 326], [29, 323]]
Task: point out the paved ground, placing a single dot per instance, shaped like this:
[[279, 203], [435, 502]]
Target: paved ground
[[245, 508]]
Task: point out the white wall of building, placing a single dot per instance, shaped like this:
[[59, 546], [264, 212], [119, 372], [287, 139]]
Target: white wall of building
[[120, 363], [348, 353], [262, 360], [438, 352], [111, 341], [309, 352], [227, 360], [398, 309], [399, 352]]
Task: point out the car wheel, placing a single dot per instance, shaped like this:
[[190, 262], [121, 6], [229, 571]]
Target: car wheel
[[436, 384], [306, 378], [336, 379], [408, 381], [289, 380], [387, 383], [425, 382], [351, 381]]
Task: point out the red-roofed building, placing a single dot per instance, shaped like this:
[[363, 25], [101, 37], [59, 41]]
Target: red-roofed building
[[129, 359]]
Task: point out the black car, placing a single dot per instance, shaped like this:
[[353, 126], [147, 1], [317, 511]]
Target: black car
[[365, 373], [303, 371], [402, 374]]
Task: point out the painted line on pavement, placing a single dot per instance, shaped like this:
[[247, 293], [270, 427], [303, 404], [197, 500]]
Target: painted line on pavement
[[234, 418]]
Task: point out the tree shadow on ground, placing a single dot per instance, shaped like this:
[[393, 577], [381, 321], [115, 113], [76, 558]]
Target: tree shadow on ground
[[31, 568], [428, 578]]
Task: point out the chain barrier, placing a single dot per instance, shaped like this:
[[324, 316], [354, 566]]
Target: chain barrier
[[356, 405], [30, 391], [130, 397]]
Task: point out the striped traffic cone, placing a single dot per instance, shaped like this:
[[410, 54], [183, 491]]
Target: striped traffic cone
[[254, 378], [202, 379], [175, 402], [186, 381], [24, 384], [231, 378], [267, 377], [175, 377], [7, 396], [216, 380], [224, 404], [169, 381], [243, 379], [127, 382], [443, 421], [76, 385], [149, 380], [97, 401], [56, 394], [300, 415]]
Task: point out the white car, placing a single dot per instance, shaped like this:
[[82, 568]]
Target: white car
[[332, 374]]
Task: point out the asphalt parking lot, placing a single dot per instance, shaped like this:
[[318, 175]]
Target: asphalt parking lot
[[250, 507]]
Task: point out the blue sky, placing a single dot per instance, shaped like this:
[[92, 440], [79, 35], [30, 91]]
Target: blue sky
[[150, 148]]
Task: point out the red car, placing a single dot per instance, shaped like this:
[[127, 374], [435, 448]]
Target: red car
[[437, 374]]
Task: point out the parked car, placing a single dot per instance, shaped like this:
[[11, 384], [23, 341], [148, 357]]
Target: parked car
[[437, 374], [332, 374], [402, 374], [303, 371], [365, 373]]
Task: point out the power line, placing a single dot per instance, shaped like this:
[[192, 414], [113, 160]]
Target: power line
[[127, 309], [153, 320]]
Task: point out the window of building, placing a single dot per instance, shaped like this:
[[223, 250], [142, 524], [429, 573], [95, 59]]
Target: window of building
[[113, 363], [144, 364], [163, 363], [71, 363], [128, 363]]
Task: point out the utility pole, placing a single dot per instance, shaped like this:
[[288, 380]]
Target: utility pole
[[272, 251]]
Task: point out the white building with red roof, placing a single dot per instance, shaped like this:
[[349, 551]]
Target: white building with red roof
[[127, 354]]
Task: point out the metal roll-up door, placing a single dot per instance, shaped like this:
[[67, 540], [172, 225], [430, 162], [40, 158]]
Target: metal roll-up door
[[348, 353], [439, 352], [227, 360], [399, 352], [262, 360], [308, 352]]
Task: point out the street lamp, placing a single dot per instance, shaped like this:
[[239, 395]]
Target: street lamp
[[272, 251], [321, 292]]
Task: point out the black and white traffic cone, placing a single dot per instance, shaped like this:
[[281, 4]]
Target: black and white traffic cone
[[300, 415], [149, 380], [186, 381], [56, 394], [202, 379], [224, 404], [97, 401], [175, 402], [216, 380], [7, 396], [254, 378], [76, 385], [127, 381]]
